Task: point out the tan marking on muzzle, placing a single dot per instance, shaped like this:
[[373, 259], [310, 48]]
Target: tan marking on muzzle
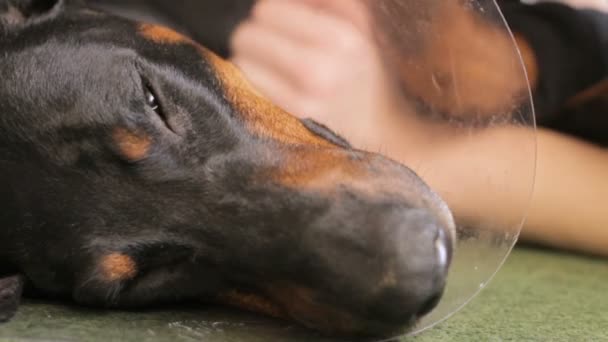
[[117, 267], [308, 161], [251, 302], [262, 117], [290, 302], [319, 169], [133, 146], [162, 35], [303, 305], [330, 170]]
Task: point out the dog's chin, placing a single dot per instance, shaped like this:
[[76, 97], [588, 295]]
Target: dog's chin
[[304, 306], [300, 306]]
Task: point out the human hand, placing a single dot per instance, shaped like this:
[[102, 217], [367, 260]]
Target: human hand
[[317, 59]]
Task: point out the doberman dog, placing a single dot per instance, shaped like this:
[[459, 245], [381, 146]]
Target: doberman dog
[[139, 168]]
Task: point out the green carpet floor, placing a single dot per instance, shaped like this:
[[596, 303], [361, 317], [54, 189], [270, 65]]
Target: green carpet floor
[[537, 296]]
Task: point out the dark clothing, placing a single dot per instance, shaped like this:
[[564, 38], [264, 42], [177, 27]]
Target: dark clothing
[[571, 49], [567, 46]]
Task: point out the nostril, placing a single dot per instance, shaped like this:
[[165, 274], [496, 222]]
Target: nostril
[[429, 304]]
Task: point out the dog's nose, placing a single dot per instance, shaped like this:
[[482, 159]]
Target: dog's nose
[[383, 267], [419, 250]]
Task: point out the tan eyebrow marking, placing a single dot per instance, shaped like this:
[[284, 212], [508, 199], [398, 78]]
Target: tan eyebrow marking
[[263, 117], [132, 145]]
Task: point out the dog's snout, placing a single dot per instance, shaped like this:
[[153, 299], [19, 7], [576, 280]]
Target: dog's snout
[[380, 246], [386, 265]]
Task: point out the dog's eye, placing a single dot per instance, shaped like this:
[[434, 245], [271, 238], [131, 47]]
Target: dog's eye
[[151, 100], [154, 104]]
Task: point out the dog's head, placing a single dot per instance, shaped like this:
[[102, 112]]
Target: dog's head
[[137, 168]]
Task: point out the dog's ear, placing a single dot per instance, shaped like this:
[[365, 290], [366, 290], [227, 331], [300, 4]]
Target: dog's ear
[[19, 13], [11, 289]]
